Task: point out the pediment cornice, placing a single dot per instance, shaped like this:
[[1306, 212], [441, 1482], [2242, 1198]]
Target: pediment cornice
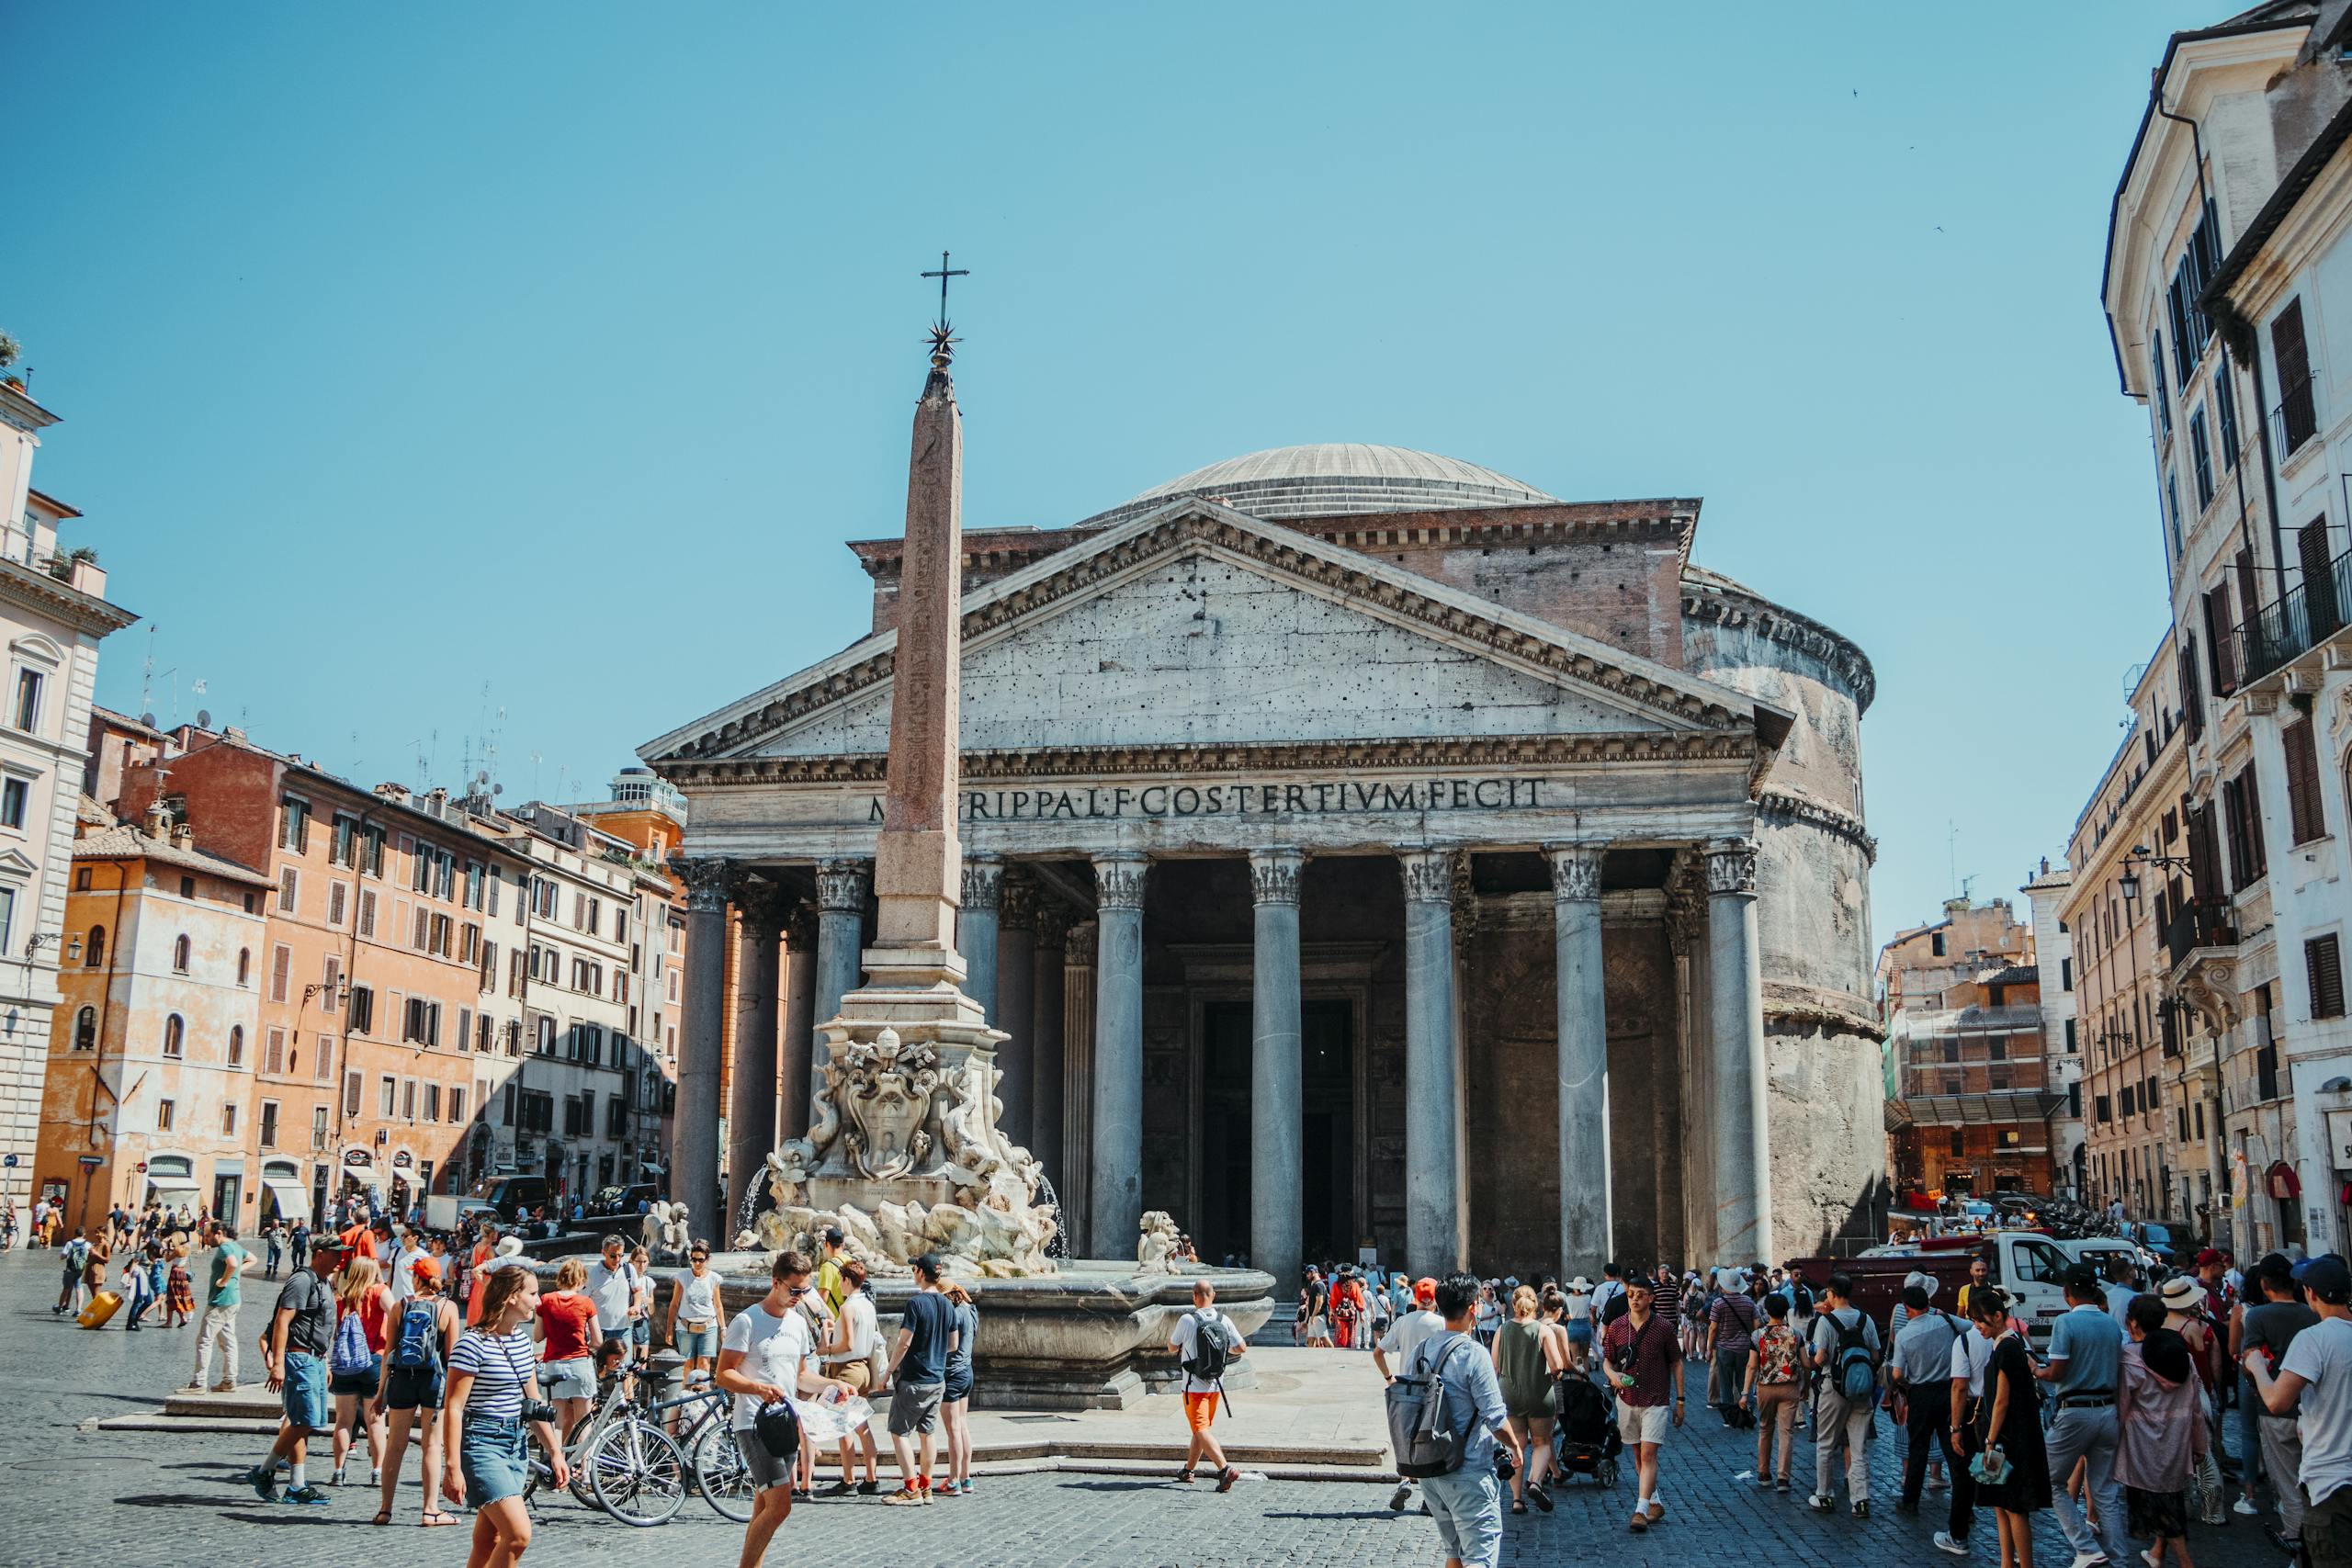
[[1443, 613]]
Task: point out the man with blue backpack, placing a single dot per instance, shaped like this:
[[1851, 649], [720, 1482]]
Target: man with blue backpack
[[1845, 1356]]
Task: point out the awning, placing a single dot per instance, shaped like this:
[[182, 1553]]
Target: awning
[[1983, 1109], [293, 1199], [173, 1191], [2282, 1182]]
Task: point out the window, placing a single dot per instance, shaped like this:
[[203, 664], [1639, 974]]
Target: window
[[330, 981], [15, 795], [82, 879], [456, 1105], [2226, 408], [290, 883], [2065, 973], [2191, 327], [229, 1119], [371, 850], [94, 951], [2303, 814], [2172, 511], [350, 1093], [270, 1124], [7, 918], [2070, 1043], [2290, 357], [274, 1052], [387, 1091], [421, 869], [438, 939], [2323, 971], [86, 1030], [181, 952], [293, 823], [2131, 1099], [2201, 463], [408, 1100], [546, 1044], [465, 1034], [343, 850], [363, 1009], [1936, 944], [281, 967], [432, 1102], [1959, 1142], [421, 1021], [2163, 393], [616, 1117], [366, 912], [28, 714], [174, 1035], [323, 1057], [2242, 816], [164, 1110], [2220, 645], [477, 885], [338, 902], [236, 1044]]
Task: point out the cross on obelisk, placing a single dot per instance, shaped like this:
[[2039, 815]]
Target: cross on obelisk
[[943, 274]]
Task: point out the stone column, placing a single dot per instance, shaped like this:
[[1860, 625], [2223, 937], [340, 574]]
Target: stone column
[[976, 929], [693, 1158], [841, 925], [1580, 994], [1116, 1201], [1078, 1085], [1276, 1110], [1046, 1032], [752, 1091], [1433, 1111], [798, 1062], [1016, 979], [1743, 1168]]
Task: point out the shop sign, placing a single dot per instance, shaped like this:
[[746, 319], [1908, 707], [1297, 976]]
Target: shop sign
[[2339, 1138], [358, 1157]]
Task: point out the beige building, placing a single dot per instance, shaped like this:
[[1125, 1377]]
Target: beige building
[[150, 1087], [53, 610]]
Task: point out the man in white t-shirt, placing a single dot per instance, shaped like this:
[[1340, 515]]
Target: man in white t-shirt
[[2314, 1385], [764, 1357], [1405, 1336], [1202, 1394], [403, 1265], [612, 1285]]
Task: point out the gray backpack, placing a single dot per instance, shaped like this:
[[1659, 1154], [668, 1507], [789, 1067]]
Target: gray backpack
[[1420, 1427]]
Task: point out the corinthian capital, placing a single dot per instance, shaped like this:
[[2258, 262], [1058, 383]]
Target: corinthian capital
[[1052, 925], [1575, 872], [1273, 875], [1118, 881], [1731, 866], [709, 880], [764, 908], [983, 885], [841, 886], [1019, 901], [1428, 876]]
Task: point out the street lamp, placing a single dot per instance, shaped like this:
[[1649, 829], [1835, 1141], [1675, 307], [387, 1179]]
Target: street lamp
[[2141, 855]]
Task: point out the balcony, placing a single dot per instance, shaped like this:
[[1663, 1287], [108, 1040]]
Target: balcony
[[2298, 621], [2197, 924]]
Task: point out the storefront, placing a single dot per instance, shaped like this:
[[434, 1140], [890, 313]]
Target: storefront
[[361, 1182], [171, 1181], [283, 1196]]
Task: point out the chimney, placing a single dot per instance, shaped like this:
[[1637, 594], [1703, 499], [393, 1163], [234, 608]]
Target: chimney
[[158, 820], [183, 835], [395, 793]]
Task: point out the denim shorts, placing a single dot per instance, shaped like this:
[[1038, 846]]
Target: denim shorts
[[641, 1332], [1468, 1508], [306, 1392], [494, 1456], [414, 1388], [697, 1343], [959, 1384], [572, 1379]]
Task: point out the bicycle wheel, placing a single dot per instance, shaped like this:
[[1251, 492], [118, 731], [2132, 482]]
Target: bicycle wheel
[[637, 1473], [720, 1474], [575, 1449]]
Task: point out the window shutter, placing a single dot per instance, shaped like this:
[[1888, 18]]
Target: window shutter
[[367, 913], [2323, 966], [2303, 814], [2192, 701], [281, 964], [2323, 613], [2221, 645], [2298, 419], [274, 1057]]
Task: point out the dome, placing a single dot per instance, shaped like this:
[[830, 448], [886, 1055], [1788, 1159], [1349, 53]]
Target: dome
[[1334, 480]]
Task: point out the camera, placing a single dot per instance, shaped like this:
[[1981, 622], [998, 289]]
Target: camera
[[538, 1410], [1505, 1467]]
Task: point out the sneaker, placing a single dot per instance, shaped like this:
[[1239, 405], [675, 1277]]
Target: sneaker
[[905, 1497], [1763, 1482], [1226, 1480], [2089, 1559], [189, 1388], [1863, 1508], [838, 1489], [869, 1489], [308, 1497], [263, 1482], [1399, 1498], [375, 1477], [1944, 1542], [1821, 1503], [2244, 1505], [224, 1388], [1783, 1486], [1184, 1476], [336, 1479]]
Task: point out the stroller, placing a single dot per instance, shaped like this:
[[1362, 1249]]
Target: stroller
[[1587, 1438]]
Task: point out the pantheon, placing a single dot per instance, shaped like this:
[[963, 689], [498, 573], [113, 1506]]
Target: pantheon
[[1472, 861]]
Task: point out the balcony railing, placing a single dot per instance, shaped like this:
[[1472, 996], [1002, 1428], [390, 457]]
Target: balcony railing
[[2198, 924], [2298, 621], [2296, 419]]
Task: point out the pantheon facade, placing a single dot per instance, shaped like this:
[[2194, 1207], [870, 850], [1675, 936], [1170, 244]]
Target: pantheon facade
[[1362, 849]]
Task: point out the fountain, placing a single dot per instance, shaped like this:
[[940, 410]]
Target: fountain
[[904, 1154]]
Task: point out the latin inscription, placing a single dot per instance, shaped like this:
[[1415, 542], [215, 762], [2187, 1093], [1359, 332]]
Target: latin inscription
[[1097, 802]]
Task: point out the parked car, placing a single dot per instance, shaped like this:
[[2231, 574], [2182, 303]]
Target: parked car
[[515, 1196], [621, 1200]]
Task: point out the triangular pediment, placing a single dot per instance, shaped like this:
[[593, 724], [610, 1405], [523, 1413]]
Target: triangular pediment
[[1196, 625]]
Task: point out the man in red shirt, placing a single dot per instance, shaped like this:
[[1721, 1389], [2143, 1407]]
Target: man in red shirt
[[1644, 1362]]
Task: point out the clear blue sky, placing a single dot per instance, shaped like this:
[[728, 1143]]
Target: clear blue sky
[[425, 364]]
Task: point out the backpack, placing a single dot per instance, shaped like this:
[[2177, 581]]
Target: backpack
[[1857, 1377], [1212, 1347], [350, 1353], [77, 1253], [418, 1343], [1421, 1429], [1800, 1296]]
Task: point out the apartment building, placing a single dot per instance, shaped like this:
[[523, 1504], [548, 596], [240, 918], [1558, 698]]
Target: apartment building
[[2228, 293], [149, 1087], [53, 613], [2054, 959], [1963, 1003]]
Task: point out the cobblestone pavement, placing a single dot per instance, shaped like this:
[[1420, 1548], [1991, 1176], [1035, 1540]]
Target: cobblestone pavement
[[133, 1499]]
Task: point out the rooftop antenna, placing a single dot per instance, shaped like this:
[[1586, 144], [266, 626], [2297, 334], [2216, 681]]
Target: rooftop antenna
[[1952, 852]]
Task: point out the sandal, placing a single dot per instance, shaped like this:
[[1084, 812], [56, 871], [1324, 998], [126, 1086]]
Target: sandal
[[436, 1518], [384, 1516], [1517, 1507]]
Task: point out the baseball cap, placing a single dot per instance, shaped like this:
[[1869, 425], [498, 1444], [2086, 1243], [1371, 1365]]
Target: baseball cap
[[2210, 1255], [2325, 1278], [1425, 1291], [425, 1269]]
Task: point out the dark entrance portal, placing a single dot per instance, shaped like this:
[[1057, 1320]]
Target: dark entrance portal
[[1327, 1197]]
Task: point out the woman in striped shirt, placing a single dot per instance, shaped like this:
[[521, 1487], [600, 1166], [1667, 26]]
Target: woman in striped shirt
[[494, 1370]]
